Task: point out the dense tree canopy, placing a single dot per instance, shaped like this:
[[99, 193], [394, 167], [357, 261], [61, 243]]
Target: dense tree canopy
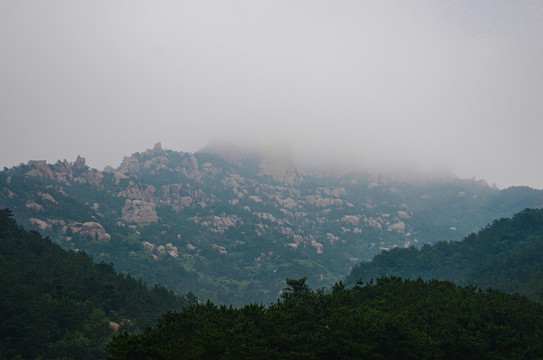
[[506, 255], [55, 303], [231, 226], [390, 319], [60, 304]]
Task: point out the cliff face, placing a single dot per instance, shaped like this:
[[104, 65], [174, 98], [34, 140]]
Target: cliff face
[[238, 223]]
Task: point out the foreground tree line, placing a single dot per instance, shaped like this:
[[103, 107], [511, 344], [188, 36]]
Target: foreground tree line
[[506, 255], [57, 304], [60, 304], [389, 319]]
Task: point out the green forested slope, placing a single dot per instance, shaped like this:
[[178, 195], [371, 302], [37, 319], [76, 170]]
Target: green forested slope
[[391, 319], [56, 304], [231, 226], [506, 255]]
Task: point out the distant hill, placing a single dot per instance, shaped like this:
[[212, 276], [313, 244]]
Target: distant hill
[[59, 304], [506, 255], [390, 319], [231, 225]]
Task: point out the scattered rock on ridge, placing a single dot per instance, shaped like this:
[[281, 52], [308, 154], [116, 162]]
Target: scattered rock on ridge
[[91, 229], [34, 206], [40, 223], [39, 168], [79, 162], [130, 164], [139, 212]]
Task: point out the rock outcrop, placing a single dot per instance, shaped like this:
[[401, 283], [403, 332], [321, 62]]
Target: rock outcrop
[[79, 163], [232, 204], [139, 212], [91, 229], [130, 164], [33, 205], [63, 171], [40, 168], [42, 225]]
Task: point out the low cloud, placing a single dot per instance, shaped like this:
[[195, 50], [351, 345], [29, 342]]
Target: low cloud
[[384, 84]]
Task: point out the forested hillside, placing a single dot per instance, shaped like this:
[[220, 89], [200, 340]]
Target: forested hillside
[[506, 255], [390, 319], [60, 304], [230, 226]]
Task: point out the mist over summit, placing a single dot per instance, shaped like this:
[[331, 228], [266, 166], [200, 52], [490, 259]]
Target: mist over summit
[[332, 161], [298, 138], [231, 224]]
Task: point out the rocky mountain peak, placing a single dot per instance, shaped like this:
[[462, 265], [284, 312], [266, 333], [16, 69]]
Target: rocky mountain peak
[[227, 208], [157, 148], [79, 162]]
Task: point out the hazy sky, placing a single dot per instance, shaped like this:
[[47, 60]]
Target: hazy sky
[[388, 82]]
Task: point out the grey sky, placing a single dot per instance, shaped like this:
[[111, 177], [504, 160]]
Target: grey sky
[[367, 82]]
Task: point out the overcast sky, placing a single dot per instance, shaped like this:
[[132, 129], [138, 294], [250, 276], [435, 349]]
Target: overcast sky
[[390, 82]]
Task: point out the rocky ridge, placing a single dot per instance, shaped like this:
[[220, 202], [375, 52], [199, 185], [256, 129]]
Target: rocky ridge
[[233, 219]]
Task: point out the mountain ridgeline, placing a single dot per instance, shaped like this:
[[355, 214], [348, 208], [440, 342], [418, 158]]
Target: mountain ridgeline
[[60, 304], [506, 255], [231, 226]]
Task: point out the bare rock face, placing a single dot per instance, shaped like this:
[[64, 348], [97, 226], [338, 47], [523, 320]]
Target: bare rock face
[[39, 168], [131, 164], [61, 171], [157, 149], [94, 230], [95, 178], [79, 162], [136, 193], [91, 229], [118, 176], [351, 220], [10, 193], [114, 326], [139, 212], [34, 206], [47, 197], [40, 223], [338, 192], [221, 223], [398, 227], [193, 162]]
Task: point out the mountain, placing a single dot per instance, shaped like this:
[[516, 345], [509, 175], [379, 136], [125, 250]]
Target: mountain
[[60, 304], [231, 225], [506, 255], [390, 319]]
